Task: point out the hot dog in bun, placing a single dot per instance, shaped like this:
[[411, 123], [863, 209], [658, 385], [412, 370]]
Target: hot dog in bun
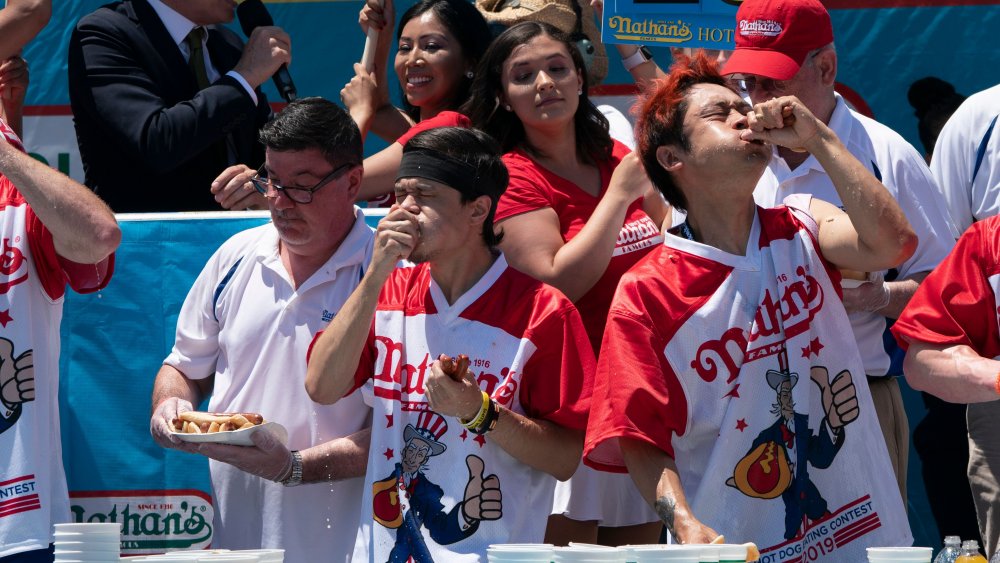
[[196, 422]]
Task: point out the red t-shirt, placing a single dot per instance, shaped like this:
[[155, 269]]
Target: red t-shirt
[[958, 303], [533, 187], [442, 119]]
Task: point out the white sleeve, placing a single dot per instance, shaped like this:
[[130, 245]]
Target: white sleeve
[[619, 126], [986, 183], [951, 165], [196, 344], [924, 207]]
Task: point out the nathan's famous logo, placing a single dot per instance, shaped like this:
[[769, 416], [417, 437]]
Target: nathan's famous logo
[[13, 268], [390, 368], [150, 523], [662, 31], [767, 28], [776, 320]]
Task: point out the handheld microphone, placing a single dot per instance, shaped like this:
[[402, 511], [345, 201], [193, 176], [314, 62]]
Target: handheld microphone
[[253, 14]]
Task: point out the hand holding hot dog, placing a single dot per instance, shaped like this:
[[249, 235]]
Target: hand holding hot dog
[[161, 425], [456, 393]]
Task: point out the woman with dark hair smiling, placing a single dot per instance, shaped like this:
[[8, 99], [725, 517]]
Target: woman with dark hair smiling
[[440, 43], [570, 220]]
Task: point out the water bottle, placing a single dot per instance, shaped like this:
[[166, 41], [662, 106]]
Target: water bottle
[[970, 553], [951, 551]]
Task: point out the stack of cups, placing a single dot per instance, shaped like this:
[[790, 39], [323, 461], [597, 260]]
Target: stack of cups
[[520, 553], [587, 554], [659, 553], [899, 555], [87, 543]]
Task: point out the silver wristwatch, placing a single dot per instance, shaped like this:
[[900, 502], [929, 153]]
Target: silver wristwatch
[[296, 477]]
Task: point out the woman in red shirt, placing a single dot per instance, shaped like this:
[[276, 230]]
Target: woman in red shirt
[[578, 213]]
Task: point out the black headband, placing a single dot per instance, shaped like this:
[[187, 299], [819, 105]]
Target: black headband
[[432, 165]]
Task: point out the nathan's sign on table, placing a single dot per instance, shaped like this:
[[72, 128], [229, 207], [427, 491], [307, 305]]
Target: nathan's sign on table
[[152, 521], [671, 23]]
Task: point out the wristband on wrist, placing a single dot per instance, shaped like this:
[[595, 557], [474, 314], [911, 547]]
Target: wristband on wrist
[[296, 476], [480, 416], [490, 421], [996, 384], [640, 56]]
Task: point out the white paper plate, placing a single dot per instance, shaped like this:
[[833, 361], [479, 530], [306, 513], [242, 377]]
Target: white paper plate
[[235, 437]]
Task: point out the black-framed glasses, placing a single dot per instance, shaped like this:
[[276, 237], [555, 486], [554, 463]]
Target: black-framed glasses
[[263, 184]]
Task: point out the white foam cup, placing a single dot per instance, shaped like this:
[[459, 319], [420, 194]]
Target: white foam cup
[[899, 554], [524, 553], [732, 553], [709, 553], [114, 546], [265, 555], [663, 553], [581, 554], [95, 528]]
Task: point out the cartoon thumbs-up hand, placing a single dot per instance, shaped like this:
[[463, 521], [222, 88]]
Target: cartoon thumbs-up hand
[[840, 397], [17, 375], [482, 494]]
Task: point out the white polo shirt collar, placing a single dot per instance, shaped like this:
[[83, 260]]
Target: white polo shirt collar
[[353, 250]]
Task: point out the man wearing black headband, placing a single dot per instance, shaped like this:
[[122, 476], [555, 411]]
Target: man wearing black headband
[[512, 415]]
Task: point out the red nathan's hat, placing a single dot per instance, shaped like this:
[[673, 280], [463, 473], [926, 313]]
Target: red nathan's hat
[[773, 37]]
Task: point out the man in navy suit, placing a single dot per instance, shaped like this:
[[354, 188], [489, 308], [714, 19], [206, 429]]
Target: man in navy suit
[[164, 100]]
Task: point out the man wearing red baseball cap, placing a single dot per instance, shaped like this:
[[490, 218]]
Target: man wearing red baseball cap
[[785, 48]]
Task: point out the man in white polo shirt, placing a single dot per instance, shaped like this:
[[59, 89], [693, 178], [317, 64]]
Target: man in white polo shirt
[[785, 48], [966, 161], [242, 336]]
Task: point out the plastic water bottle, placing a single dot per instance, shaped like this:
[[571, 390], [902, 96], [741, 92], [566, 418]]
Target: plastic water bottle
[[970, 553], [951, 551]]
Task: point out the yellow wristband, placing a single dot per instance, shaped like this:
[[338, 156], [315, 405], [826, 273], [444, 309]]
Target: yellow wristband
[[481, 416]]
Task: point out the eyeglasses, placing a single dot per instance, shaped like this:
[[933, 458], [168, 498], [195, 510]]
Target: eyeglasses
[[263, 184], [747, 84]]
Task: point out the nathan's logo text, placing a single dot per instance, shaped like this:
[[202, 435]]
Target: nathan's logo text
[[768, 28], [150, 523], [776, 321], [669, 31], [390, 368]]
